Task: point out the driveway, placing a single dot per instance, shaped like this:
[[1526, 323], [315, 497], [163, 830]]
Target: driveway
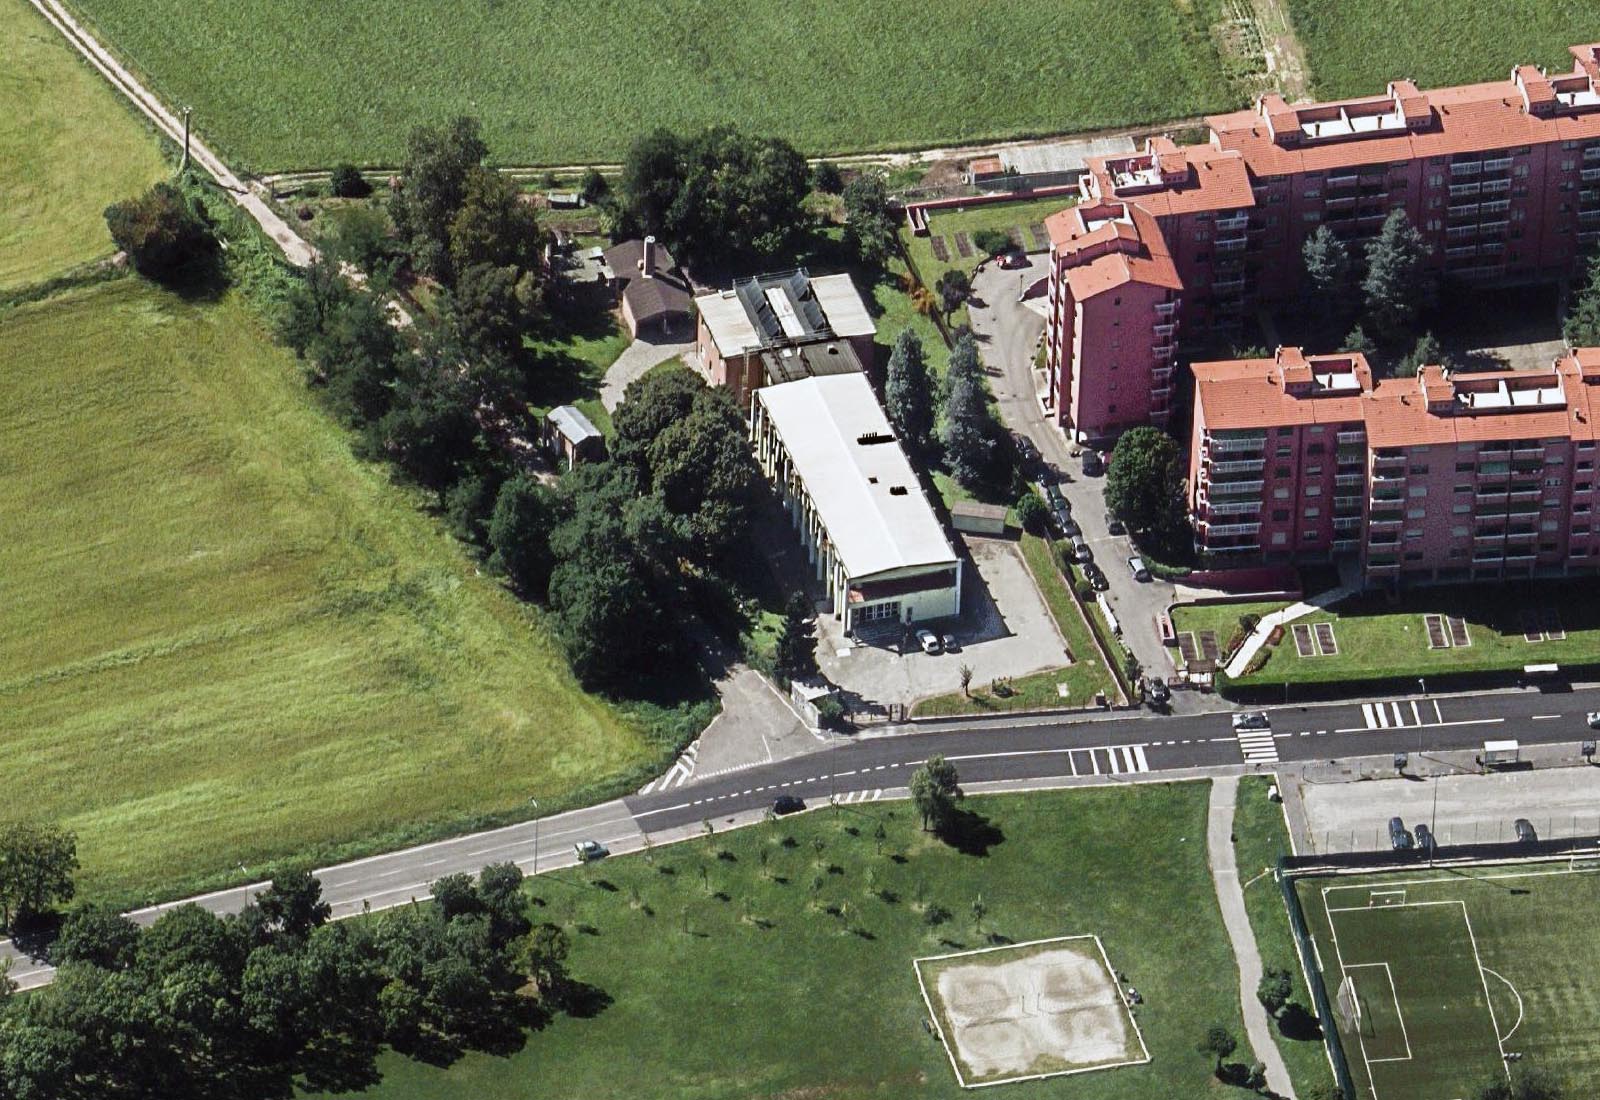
[[1004, 630], [635, 360], [1008, 332]]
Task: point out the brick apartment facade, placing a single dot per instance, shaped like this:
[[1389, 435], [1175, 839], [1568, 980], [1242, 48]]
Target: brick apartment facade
[[1501, 178], [1438, 477]]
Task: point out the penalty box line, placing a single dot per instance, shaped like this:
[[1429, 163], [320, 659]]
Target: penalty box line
[[1400, 1016]]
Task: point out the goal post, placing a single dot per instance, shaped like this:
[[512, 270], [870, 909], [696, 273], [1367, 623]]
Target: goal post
[[1348, 1005]]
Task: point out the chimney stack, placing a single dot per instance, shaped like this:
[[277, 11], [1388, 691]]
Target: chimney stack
[[647, 261]]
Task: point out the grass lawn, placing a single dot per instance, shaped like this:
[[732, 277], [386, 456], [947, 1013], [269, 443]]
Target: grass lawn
[[572, 363], [68, 149], [1378, 638], [786, 971], [304, 83], [1259, 838], [1002, 216], [1220, 618], [227, 640], [1036, 691], [1069, 619], [1355, 47], [1452, 967]]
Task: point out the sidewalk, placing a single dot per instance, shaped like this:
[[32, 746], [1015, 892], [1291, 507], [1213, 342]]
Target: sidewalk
[[1258, 637], [1230, 897]]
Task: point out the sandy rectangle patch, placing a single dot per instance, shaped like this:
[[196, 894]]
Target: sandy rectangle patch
[[1030, 1010]]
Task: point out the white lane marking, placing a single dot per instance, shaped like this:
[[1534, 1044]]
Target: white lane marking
[[1138, 756], [1111, 761], [1416, 715], [1366, 714], [1436, 725], [1544, 717]]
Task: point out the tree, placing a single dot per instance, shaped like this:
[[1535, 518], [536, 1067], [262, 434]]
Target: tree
[[1274, 989], [519, 534], [1032, 513], [347, 182], [826, 177], [966, 680], [277, 1001], [966, 435], [493, 307], [1394, 287], [161, 232], [1428, 351], [97, 935], [1328, 273], [293, 904], [1219, 1043], [935, 790], [953, 288], [1357, 340], [991, 242], [455, 895], [494, 226], [702, 470], [500, 892], [609, 619], [908, 392], [469, 504], [400, 1013], [797, 645], [438, 165], [37, 863], [1144, 484], [869, 225], [542, 956], [1581, 329], [360, 237], [593, 187]]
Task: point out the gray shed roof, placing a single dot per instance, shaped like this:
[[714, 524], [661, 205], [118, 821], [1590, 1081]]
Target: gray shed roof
[[572, 424]]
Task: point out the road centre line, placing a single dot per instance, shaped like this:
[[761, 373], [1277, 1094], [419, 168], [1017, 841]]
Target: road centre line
[[1429, 726]]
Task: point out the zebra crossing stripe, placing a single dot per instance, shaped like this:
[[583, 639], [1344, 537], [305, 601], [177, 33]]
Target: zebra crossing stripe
[[1143, 765], [1258, 747], [1111, 761]]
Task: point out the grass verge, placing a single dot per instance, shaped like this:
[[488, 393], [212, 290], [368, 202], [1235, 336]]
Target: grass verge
[[1068, 615]]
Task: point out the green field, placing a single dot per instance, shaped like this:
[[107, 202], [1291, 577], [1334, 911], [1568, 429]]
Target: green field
[[1450, 968], [776, 971], [304, 83], [1355, 47], [227, 640], [68, 148]]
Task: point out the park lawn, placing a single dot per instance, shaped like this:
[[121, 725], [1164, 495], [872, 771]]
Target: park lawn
[[1260, 836], [1379, 638], [304, 83], [795, 978], [1001, 216], [68, 149], [571, 363], [1355, 47], [1035, 691], [229, 641], [1069, 618], [1222, 618]]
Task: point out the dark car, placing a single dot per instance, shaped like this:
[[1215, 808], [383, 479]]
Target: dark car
[[590, 850], [1158, 692], [1069, 526], [1399, 835], [1114, 525], [787, 804], [1096, 577], [1026, 451], [1093, 466], [1425, 841], [1524, 828], [1081, 551]]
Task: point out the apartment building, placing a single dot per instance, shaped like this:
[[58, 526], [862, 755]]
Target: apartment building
[[1439, 477], [1501, 178]]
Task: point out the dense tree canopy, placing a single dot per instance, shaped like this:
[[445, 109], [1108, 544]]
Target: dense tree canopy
[[435, 174], [908, 392], [1144, 484], [161, 231], [1581, 328], [37, 864], [1395, 287], [869, 223], [935, 790]]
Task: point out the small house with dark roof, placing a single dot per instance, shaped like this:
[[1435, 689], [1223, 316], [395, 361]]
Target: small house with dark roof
[[653, 295]]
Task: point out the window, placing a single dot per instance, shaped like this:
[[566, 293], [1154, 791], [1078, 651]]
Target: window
[[1313, 490], [1282, 451], [1279, 538], [1458, 531], [1280, 515], [1313, 513], [1435, 180], [1464, 468], [1285, 431], [1552, 483], [1549, 525], [1313, 471], [1419, 490], [1314, 449], [1313, 192], [1316, 429], [1413, 555], [1416, 513], [1580, 528], [1280, 471], [1462, 509], [1419, 469], [1463, 488], [1280, 494], [1311, 216], [1413, 535]]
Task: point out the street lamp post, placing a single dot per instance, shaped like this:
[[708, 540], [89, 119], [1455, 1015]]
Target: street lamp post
[[534, 802]]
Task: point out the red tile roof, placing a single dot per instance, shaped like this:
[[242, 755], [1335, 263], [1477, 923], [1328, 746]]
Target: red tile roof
[[1192, 178], [1280, 392], [1106, 245]]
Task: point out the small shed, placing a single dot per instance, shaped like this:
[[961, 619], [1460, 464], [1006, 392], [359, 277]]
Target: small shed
[[570, 435], [978, 519]]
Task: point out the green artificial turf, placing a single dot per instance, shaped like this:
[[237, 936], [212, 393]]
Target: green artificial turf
[[68, 149], [229, 641], [305, 83], [737, 966]]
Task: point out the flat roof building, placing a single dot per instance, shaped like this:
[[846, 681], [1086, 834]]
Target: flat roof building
[[852, 493]]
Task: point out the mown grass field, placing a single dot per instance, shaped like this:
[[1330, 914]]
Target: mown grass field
[[779, 971], [68, 149], [227, 640], [1452, 967], [304, 83], [1355, 47]]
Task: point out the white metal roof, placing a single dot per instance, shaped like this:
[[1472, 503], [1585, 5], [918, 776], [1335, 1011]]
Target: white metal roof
[[730, 326], [841, 303], [571, 423], [828, 424]]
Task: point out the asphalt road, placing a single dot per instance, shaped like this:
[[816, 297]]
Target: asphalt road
[[1120, 747]]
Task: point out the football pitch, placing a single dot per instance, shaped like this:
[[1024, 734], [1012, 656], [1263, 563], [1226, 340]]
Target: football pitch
[[1443, 980]]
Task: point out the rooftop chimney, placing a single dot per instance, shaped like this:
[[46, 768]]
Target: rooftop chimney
[[647, 258]]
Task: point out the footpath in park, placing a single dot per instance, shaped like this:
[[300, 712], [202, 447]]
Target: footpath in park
[[1230, 896], [1258, 637]]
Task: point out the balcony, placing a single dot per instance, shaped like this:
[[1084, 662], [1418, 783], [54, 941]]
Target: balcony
[[1224, 444], [1387, 458], [1219, 529], [1498, 164], [1462, 190], [1164, 328], [1491, 187], [1351, 437], [1230, 222], [1462, 209], [1162, 377], [1234, 508], [1346, 545], [1166, 309], [1461, 251], [1232, 244], [1347, 504], [1490, 498], [1383, 567], [1224, 490], [1492, 538], [1239, 466], [1495, 206], [1349, 481], [1227, 286], [1589, 175], [1519, 559], [1384, 523], [1588, 217], [1526, 496], [1499, 225], [1346, 180], [1236, 548], [1591, 154], [1522, 535], [1466, 168], [1346, 523], [1163, 351]]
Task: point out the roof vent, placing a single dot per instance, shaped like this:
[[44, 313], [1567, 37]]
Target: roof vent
[[867, 439], [897, 490]]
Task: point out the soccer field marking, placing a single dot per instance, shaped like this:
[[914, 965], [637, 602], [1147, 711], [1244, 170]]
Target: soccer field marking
[[1457, 879], [1398, 1015], [1487, 999], [1515, 994], [1338, 954]]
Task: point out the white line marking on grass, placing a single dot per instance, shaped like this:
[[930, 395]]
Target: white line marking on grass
[[1478, 959], [1338, 954], [1515, 994], [1399, 1016]]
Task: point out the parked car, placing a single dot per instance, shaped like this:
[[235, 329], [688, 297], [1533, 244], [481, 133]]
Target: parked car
[[1251, 720], [1069, 526], [1114, 525], [1157, 691], [929, 641], [1093, 465], [1026, 450], [1096, 577], [950, 643], [1524, 828], [1049, 490], [1399, 836], [787, 804], [1425, 841], [1137, 568], [1011, 260], [1081, 551], [1593, 718], [590, 850]]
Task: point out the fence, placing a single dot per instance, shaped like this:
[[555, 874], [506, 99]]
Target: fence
[[1311, 967]]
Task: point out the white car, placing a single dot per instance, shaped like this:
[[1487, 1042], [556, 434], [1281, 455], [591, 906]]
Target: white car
[[1593, 719], [929, 641], [1137, 567], [1251, 720]]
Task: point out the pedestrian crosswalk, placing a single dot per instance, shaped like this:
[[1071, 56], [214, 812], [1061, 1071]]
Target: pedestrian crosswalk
[[1111, 760], [680, 773], [1393, 715], [859, 796], [1258, 746]]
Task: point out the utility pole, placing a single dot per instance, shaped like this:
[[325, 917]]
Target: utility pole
[[534, 802], [184, 166]]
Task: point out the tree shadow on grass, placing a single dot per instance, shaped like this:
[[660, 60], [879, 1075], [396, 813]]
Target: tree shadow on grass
[[970, 833], [337, 1064], [1298, 1024]]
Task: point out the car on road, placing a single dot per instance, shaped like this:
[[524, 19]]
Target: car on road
[[1026, 450], [1425, 842], [590, 850], [1114, 525], [1069, 527], [1524, 828], [1081, 551], [1399, 836], [929, 641], [787, 804], [1251, 720], [1136, 566], [1050, 491], [1593, 718], [1157, 692]]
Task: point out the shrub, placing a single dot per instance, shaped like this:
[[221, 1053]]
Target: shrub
[[1085, 592], [991, 242], [347, 182], [1032, 513], [1249, 621], [825, 177], [830, 713], [161, 232]]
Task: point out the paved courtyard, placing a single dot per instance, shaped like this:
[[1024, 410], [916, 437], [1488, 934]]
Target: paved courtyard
[[1004, 630]]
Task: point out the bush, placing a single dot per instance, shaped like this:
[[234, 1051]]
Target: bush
[[830, 713], [1032, 513], [347, 182], [1085, 592], [991, 242], [593, 187], [1249, 621], [161, 232], [825, 177]]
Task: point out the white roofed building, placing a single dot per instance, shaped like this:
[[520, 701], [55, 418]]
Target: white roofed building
[[868, 530], [772, 313]]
